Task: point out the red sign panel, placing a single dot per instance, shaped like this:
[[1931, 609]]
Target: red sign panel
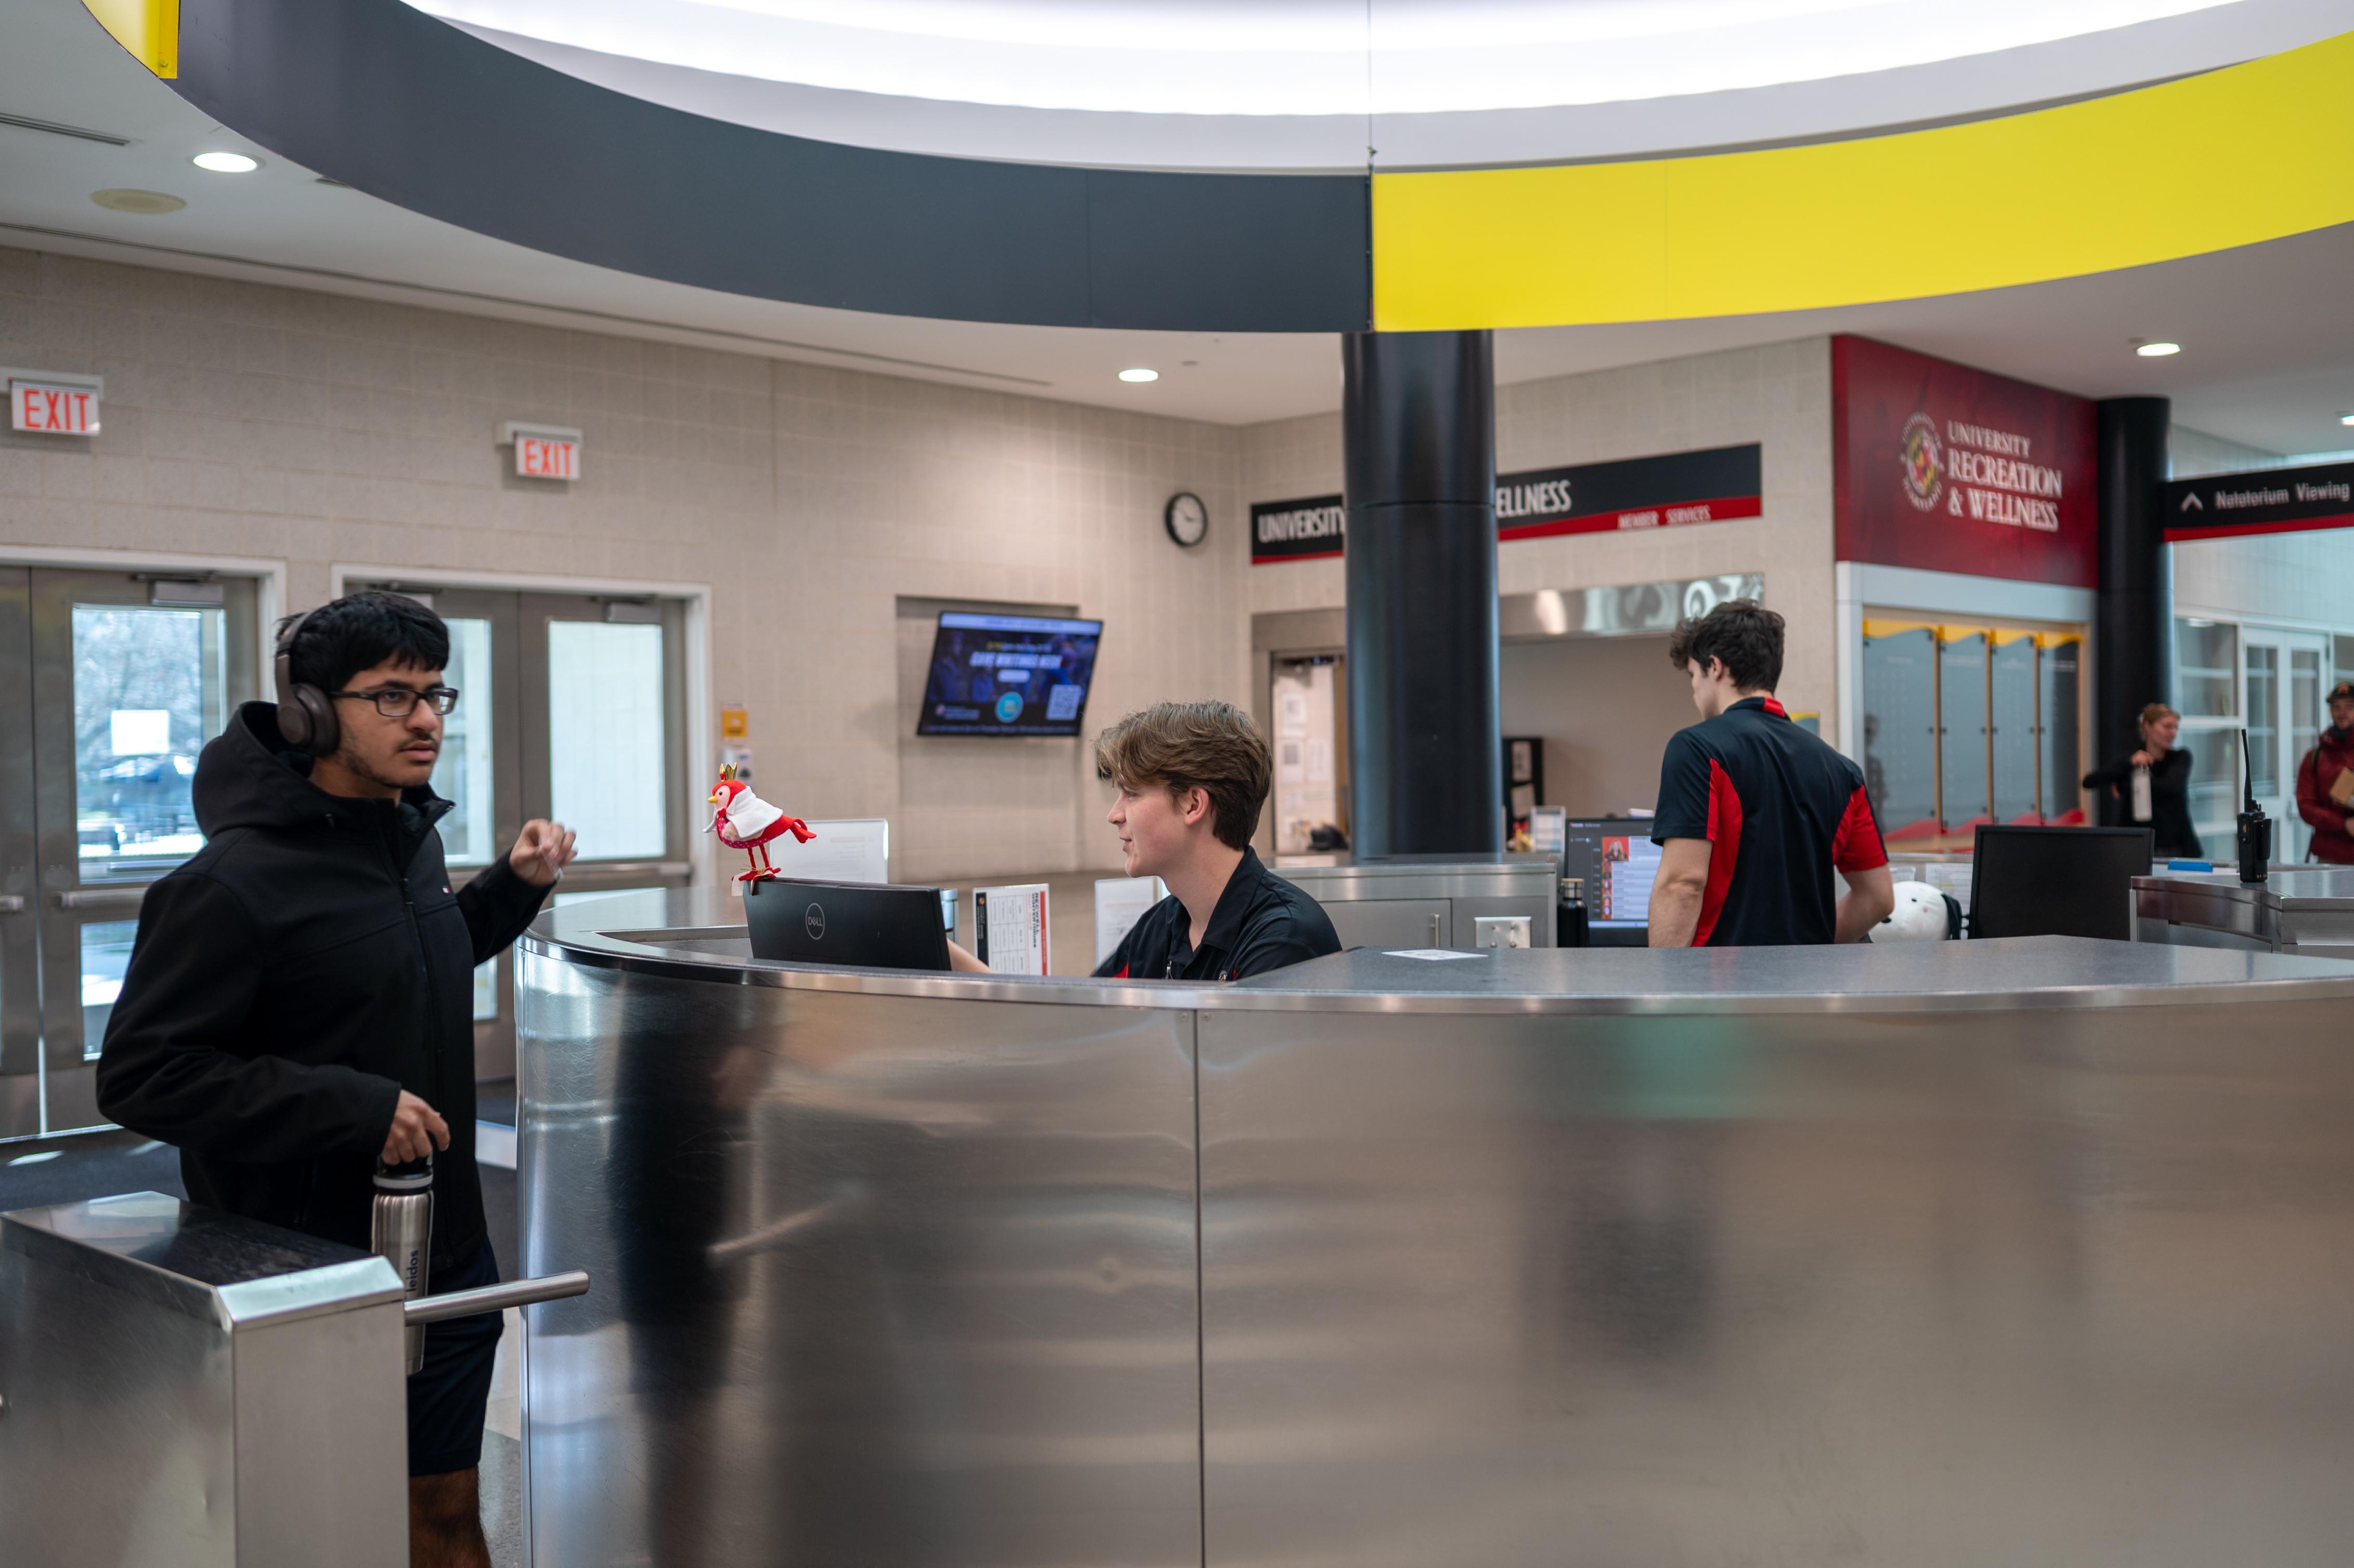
[[1948, 469], [544, 456], [52, 410]]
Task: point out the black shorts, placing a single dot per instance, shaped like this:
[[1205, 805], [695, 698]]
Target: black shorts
[[448, 1394]]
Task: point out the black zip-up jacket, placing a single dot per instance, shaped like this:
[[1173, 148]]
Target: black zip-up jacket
[[2169, 801], [291, 979]]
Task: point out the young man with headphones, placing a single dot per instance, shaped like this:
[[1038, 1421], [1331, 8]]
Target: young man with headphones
[[299, 1004]]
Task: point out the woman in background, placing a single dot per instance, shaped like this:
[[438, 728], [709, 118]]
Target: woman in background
[[2169, 786]]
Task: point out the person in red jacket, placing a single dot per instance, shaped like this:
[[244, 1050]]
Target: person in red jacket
[[2331, 755]]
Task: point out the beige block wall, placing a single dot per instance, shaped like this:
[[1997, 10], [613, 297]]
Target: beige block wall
[[316, 430], [1777, 396]]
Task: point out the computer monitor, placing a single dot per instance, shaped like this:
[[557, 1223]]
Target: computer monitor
[[1616, 859], [865, 925], [2056, 881]]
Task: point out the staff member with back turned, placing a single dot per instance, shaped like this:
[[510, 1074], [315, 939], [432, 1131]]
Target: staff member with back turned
[[299, 1001], [1191, 779], [1753, 812]]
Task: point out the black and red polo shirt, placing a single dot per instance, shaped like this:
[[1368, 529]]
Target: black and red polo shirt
[[1261, 922], [1779, 809]]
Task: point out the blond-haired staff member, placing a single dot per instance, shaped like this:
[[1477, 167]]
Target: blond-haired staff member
[[1193, 778]]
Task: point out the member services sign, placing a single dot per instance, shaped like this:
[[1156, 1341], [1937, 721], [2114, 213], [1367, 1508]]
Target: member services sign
[[1667, 491]]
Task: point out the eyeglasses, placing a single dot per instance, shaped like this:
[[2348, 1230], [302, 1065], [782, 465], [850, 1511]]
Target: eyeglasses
[[395, 702]]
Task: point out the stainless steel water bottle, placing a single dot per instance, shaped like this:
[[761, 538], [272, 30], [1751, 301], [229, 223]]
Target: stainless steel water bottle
[[401, 1232]]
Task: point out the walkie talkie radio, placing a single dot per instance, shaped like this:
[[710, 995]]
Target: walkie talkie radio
[[2255, 828]]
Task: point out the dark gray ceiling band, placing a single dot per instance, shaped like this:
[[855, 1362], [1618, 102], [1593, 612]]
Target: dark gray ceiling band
[[409, 109]]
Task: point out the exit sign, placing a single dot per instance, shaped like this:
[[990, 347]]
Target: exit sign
[[53, 405], [544, 452]]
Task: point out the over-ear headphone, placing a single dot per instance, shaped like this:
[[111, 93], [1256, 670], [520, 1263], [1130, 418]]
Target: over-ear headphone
[[306, 716]]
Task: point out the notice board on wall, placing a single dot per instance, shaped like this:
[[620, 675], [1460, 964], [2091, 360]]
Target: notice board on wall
[[1947, 469]]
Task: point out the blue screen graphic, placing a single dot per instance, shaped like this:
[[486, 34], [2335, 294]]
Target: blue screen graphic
[[1009, 674]]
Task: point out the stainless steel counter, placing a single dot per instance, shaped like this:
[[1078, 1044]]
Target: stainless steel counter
[[2304, 909], [2033, 1250]]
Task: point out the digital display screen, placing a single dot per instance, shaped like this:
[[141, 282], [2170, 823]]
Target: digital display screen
[[1009, 674], [1618, 861]]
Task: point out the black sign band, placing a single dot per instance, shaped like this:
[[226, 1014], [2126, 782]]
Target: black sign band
[[1299, 530], [1661, 491], [1633, 492], [2271, 500]]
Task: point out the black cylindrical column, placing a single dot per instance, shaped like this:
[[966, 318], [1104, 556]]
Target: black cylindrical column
[[1425, 741], [2133, 633]]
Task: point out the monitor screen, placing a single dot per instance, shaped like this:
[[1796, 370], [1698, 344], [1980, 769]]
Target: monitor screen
[[1617, 860], [2056, 881], [861, 923], [1008, 674]]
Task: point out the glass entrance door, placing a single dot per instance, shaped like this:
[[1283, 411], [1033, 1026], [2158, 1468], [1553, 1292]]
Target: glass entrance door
[[2281, 672], [109, 685], [570, 706]]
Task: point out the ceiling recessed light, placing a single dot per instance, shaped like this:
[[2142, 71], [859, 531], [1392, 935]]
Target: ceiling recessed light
[[2346, 418], [147, 203], [227, 162], [2158, 349], [1139, 374]]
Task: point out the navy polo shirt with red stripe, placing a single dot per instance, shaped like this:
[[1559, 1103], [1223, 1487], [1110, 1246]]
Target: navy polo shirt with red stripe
[[1779, 809]]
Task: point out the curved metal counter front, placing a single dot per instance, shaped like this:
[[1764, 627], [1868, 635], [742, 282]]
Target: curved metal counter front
[[2013, 1251]]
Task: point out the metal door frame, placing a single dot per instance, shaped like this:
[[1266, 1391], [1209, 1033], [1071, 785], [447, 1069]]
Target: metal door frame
[[1337, 658], [20, 900], [2289, 745], [674, 869], [63, 902], [494, 1036]]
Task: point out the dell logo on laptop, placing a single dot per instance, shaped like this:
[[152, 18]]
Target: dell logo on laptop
[[813, 922]]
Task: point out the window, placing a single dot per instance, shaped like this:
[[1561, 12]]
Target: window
[[466, 773], [2206, 669], [605, 730], [110, 684], [1964, 725]]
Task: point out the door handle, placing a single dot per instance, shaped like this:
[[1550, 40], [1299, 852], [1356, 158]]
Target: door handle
[[12, 903], [103, 897], [1438, 930]]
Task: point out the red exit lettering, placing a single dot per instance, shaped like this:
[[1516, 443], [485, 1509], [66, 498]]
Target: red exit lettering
[[538, 457], [52, 410]]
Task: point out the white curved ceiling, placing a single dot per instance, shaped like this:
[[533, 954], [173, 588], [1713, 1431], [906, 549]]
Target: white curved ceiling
[[2268, 330], [1310, 83]]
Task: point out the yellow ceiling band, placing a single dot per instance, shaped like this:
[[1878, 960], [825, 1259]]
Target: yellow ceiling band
[[150, 30], [2230, 158]]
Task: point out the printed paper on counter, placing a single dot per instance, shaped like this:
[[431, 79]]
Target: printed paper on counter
[[1010, 929]]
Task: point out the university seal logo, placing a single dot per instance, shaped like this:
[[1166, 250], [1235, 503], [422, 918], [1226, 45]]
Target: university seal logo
[[1924, 463]]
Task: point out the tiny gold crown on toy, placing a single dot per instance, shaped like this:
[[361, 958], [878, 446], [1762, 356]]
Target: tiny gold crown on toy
[[727, 771]]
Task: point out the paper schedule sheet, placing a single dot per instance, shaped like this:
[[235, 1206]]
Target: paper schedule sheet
[[1010, 928]]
